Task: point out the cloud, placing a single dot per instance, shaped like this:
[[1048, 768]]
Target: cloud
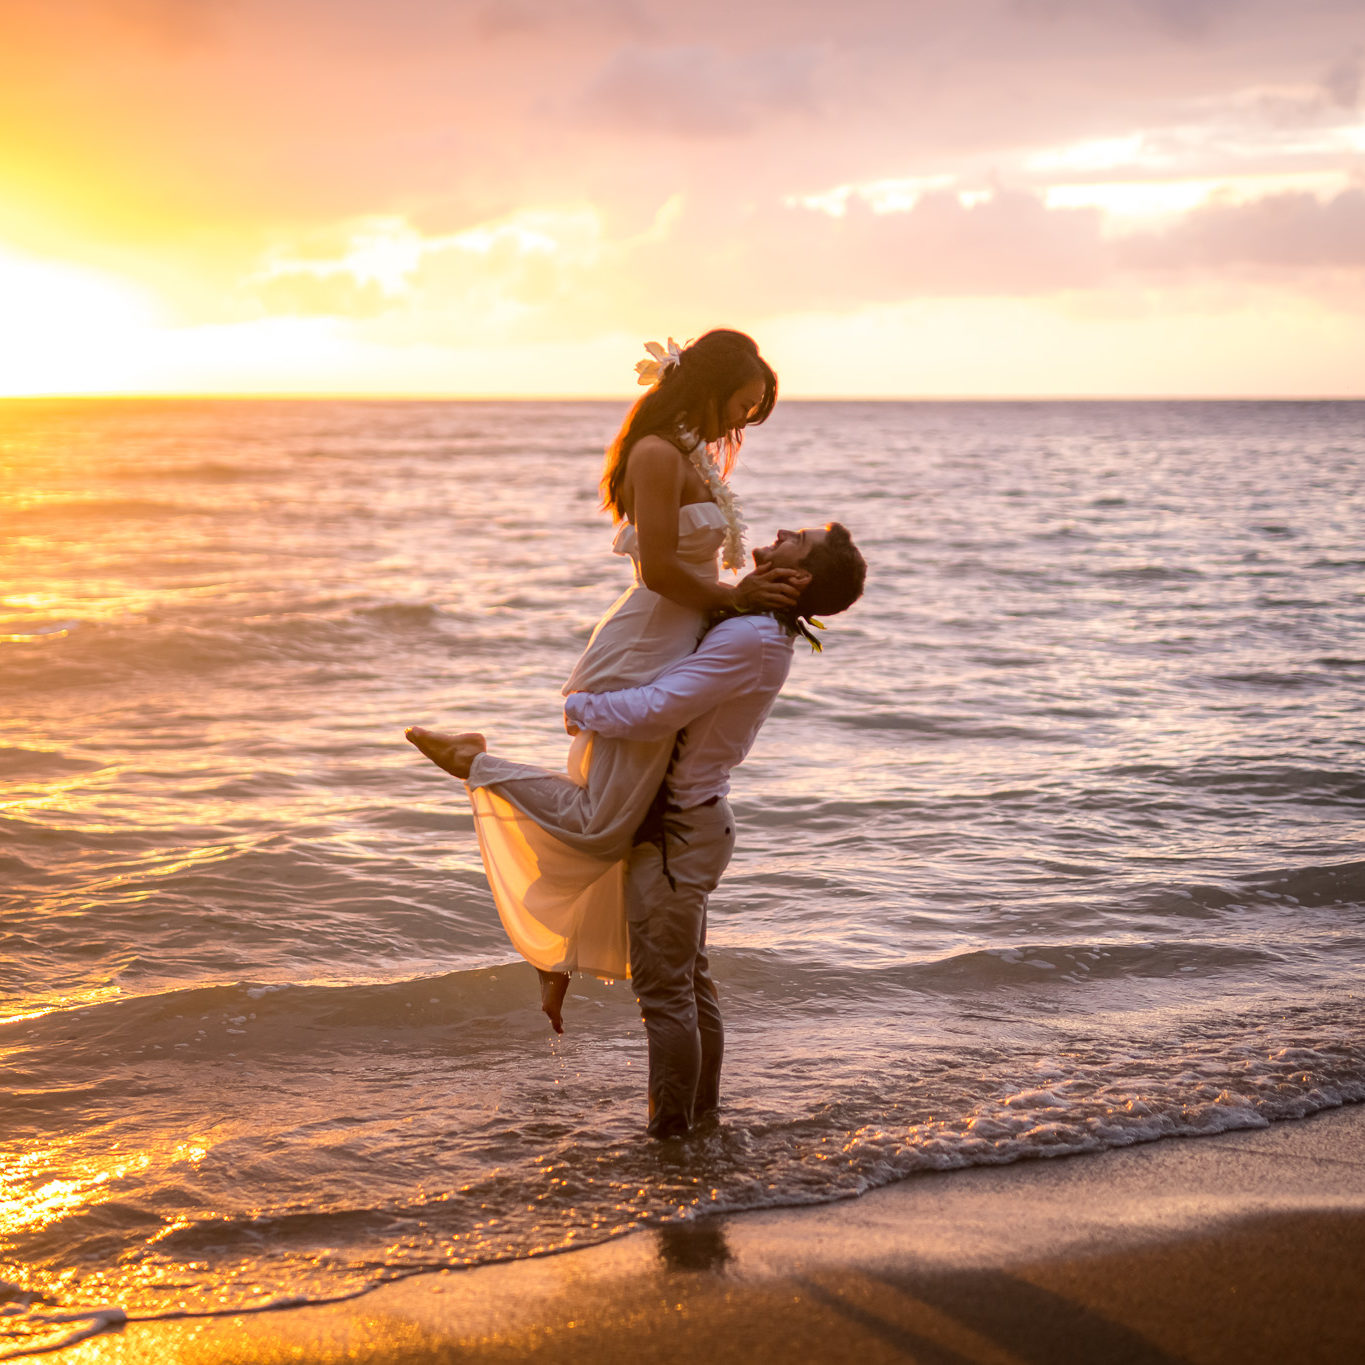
[[1342, 82], [167, 25], [695, 91], [222, 153], [302, 294], [1009, 244], [1189, 20], [320, 110], [1283, 232], [551, 276], [768, 260]]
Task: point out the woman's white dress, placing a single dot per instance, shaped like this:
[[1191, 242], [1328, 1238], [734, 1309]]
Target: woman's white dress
[[554, 844]]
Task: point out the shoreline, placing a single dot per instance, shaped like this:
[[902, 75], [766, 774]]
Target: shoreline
[[1239, 1246]]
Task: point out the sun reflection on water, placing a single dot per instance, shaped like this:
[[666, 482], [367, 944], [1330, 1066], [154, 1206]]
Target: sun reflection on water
[[28, 1207], [91, 995]]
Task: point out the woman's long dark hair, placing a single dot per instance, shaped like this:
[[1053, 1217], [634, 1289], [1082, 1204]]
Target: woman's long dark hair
[[713, 368]]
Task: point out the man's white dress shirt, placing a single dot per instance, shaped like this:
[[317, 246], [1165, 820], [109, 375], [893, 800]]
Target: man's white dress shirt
[[719, 697]]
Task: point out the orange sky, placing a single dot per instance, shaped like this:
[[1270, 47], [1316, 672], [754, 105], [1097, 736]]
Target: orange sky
[[896, 197]]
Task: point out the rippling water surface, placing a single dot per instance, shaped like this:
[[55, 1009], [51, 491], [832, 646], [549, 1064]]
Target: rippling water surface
[[1056, 847]]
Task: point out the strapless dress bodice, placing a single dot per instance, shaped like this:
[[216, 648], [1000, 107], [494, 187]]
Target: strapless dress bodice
[[701, 533], [643, 632]]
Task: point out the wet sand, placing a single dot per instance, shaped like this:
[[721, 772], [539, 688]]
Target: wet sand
[[1241, 1247]]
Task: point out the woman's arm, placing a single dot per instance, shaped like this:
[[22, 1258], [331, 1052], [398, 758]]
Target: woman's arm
[[655, 480]]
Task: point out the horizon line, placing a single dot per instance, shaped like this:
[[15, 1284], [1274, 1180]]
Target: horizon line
[[305, 396]]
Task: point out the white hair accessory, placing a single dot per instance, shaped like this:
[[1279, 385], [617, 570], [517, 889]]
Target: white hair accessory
[[664, 359]]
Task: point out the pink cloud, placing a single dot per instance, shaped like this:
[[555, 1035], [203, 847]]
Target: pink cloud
[[695, 91], [228, 129], [316, 108], [1284, 232]]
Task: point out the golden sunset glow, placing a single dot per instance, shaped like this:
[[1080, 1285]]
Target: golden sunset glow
[[310, 199], [64, 326], [78, 1187]]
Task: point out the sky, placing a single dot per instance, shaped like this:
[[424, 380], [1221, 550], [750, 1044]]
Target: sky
[[896, 198]]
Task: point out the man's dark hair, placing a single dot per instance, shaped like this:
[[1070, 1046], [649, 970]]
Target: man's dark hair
[[837, 571]]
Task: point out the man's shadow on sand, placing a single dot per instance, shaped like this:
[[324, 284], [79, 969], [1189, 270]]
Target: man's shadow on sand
[[691, 1247], [1029, 1322]]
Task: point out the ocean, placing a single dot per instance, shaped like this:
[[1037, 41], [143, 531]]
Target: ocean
[[1056, 847]]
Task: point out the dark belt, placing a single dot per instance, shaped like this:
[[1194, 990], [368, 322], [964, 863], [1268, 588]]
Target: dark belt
[[652, 830]]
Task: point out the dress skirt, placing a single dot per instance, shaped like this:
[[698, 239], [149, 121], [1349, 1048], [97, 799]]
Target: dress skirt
[[554, 844]]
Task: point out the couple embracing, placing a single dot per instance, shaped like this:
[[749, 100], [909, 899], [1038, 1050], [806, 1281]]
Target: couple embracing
[[606, 868]]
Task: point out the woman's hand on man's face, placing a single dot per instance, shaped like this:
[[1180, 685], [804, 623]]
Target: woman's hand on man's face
[[769, 589]]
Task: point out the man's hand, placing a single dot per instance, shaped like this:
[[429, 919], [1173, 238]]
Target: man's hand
[[768, 589], [570, 728]]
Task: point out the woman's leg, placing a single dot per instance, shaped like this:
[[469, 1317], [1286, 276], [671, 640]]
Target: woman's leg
[[554, 986], [453, 753]]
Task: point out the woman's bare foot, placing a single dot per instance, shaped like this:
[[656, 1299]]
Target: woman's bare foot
[[454, 753], [554, 986]]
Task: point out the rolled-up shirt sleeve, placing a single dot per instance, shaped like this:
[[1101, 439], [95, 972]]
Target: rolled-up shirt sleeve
[[726, 662]]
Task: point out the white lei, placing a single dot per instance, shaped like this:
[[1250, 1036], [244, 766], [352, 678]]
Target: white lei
[[703, 461]]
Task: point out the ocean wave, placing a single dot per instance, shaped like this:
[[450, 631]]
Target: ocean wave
[[989, 968], [936, 726], [19, 761], [1273, 678], [269, 1016], [250, 1019], [29, 631], [557, 1183], [1150, 573], [196, 471], [1308, 887], [1075, 1109], [1257, 778], [361, 919], [402, 615], [350, 640], [971, 976], [1311, 885], [93, 507], [1235, 774]]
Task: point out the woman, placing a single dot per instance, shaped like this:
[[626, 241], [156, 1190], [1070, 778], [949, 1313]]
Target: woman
[[553, 846]]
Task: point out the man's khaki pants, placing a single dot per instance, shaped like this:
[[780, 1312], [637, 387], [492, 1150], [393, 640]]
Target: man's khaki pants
[[666, 893]]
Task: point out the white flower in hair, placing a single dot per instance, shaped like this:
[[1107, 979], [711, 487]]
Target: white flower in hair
[[664, 358]]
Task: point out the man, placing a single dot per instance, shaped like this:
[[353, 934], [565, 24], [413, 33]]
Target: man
[[716, 700]]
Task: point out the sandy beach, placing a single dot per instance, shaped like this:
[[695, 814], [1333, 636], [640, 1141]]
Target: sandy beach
[[1246, 1246]]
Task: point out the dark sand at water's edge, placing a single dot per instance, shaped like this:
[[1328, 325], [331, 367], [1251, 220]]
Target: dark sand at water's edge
[[1243, 1247]]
